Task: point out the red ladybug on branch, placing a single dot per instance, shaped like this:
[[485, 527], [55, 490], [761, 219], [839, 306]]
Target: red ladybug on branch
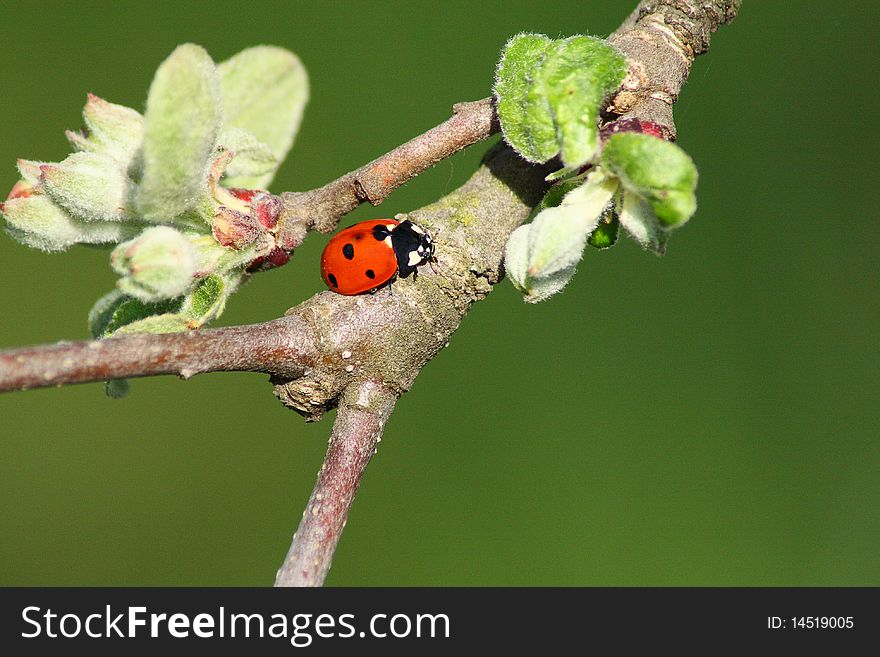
[[370, 254]]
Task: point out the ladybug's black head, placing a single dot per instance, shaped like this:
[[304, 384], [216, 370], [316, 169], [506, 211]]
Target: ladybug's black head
[[412, 247]]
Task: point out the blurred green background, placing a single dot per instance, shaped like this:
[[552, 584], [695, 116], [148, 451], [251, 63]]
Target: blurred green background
[[709, 418]]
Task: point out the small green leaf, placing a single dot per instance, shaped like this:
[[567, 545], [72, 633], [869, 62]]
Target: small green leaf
[[577, 75], [559, 234], [556, 193], [129, 311], [522, 105], [91, 186], [541, 257], [207, 300], [37, 222], [102, 312], [516, 258], [640, 222], [605, 235], [182, 123], [252, 157], [160, 263], [545, 287], [656, 170], [117, 388], [30, 170], [115, 130], [168, 323], [264, 92], [549, 94]]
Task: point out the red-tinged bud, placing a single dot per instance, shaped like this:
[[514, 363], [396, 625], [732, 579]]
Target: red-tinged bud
[[243, 194], [635, 125], [234, 229], [21, 189], [268, 209], [276, 258]]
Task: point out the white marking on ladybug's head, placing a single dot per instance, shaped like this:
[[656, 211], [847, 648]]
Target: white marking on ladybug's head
[[415, 257], [387, 241], [416, 228]]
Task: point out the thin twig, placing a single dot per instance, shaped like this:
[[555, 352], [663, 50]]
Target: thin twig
[[360, 419], [282, 348], [321, 208]]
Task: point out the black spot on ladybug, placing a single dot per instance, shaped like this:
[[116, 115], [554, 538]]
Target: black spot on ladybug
[[348, 251], [332, 279], [358, 237], [380, 232], [370, 273]]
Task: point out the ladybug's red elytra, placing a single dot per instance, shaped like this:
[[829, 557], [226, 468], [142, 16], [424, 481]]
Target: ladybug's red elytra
[[371, 253]]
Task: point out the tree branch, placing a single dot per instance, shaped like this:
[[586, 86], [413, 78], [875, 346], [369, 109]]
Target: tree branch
[[280, 348], [660, 39], [363, 411]]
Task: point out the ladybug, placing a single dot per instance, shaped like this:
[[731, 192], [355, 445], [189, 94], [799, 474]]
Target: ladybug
[[369, 254]]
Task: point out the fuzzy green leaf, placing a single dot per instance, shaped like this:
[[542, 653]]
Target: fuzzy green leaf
[[559, 234], [30, 171], [252, 157], [541, 257], [577, 75], [115, 313], [541, 289], [606, 233], [207, 300], [117, 388], [641, 223], [101, 314], [167, 323], [516, 258], [549, 94], [37, 222], [116, 130], [656, 170], [523, 108], [182, 123], [90, 186], [264, 92]]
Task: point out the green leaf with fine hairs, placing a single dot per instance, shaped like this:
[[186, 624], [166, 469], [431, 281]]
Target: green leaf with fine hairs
[[657, 171], [102, 312], [264, 92], [516, 258], [559, 234], [522, 105], [182, 123], [549, 94], [116, 313], [641, 223], [541, 257], [166, 323], [37, 222], [207, 300], [577, 75], [117, 388], [90, 186], [606, 233], [114, 130], [252, 157]]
